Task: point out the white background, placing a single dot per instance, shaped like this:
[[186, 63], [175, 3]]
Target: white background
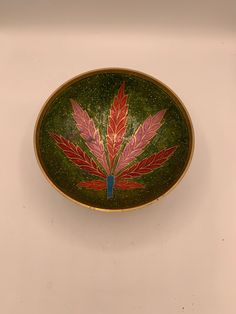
[[176, 256]]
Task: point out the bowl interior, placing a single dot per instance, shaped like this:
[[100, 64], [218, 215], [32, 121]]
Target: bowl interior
[[113, 139]]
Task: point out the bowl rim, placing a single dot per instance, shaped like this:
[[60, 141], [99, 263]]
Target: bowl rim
[[167, 89]]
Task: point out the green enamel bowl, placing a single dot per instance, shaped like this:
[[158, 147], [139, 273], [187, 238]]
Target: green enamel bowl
[[113, 139]]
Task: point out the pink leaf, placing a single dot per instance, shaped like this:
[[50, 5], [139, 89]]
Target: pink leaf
[[141, 138], [89, 133]]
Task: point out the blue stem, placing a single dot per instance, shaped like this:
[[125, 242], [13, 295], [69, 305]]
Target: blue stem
[[110, 185]]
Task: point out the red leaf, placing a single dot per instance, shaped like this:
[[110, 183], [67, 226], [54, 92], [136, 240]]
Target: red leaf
[[141, 138], [128, 185], [117, 124], [94, 184], [77, 155], [148, 164]]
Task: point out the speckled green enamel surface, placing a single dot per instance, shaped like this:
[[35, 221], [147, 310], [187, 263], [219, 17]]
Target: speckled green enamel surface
[[95, 92]]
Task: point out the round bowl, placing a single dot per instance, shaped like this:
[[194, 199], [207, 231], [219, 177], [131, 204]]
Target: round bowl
[[113, 139]]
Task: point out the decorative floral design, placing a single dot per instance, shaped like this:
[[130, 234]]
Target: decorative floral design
[[117, 166]]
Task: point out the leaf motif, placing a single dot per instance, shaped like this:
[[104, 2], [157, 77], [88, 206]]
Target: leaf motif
[[117, 124], [89, 133], [141, 138], [77, 155], [148, 164], [93, 184], [128, 185]]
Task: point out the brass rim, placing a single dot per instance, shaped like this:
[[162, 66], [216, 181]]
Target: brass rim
[[168, 90]]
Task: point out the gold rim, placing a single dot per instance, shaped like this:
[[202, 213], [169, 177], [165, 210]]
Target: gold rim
[[169, 91]]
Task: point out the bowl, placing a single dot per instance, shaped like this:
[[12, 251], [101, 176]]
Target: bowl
[[113, 139]]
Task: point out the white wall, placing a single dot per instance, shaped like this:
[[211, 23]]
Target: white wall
[[177, 256]]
